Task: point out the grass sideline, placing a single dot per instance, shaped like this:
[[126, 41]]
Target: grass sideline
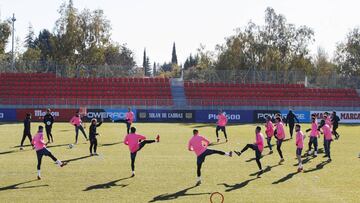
[[166, 171]]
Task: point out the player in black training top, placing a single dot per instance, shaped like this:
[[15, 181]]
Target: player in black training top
[[48, 121], [26, 133], [93, 134], [290, 119], [335, 123]]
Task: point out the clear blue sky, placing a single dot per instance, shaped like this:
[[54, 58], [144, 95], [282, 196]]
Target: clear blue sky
[[156, 24]]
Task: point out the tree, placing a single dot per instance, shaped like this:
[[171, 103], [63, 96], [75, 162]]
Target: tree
[[174, 56], [277, 45], [154, 69], [191, 61], [347, 55], [45, 42], [5, 32], [146, 64], [30, 37]]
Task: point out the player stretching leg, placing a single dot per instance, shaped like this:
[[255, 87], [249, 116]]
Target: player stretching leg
[[199, 144], [40, 147], [136, 142], [258, 147], [221, 123]]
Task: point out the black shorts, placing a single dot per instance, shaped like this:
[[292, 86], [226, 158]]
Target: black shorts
[[298, 151], [222, 128]]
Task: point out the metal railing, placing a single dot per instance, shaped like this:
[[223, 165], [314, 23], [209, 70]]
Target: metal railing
[[171, 104]]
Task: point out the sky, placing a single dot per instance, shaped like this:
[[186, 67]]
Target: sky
[[157, 24]]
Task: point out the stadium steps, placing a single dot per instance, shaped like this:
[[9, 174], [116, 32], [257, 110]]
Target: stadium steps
[[178, 92]]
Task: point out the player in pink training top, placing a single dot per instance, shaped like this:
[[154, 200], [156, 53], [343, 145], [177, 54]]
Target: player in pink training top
[[129, 119], [269, 132], [199, 144], [314, 134], [258, 147], [327, 138], [40, 147], [299, 145], [136, 142], [280, 136], [77, 122], [221, 123]]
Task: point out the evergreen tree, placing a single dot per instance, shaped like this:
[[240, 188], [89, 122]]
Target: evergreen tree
[[30, 39], [154, 69], [174, 56], [144, 58]]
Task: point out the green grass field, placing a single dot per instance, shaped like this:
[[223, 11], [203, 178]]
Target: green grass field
[[166, 171]]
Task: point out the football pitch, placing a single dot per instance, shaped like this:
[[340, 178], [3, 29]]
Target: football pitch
[[166, 171]]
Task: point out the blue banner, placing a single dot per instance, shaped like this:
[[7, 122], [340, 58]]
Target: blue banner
[[7, 115], [178, 116], [108, 114], [303, 116], [210, 116]]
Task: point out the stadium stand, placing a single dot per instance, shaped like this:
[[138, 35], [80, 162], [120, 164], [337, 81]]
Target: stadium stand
[[48, 89], [44, 88], [229, 94]]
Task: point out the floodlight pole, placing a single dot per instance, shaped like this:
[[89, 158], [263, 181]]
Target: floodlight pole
[[13, 19]]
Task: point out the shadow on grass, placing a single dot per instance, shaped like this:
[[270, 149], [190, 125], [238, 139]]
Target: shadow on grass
[[181, 193], [107, 185], [110, 144], [8, 152], [15, 186], [306, 160], [65, 130], [318, 167], [286, 178], [253, 159], [76, 159], [27, 145], [266, 170], [237, 186], [59, 145]]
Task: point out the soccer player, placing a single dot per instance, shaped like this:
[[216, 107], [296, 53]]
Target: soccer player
[[40, 147], [290, 119], [77, 122], [136, 142], [27, 132], [328, 139], [280, 136], [93, 134], [48, 121], [258, 147], [314, 134], [221, 123], [129, 119], [269, 132], [335, 123], [199, 144], [299, 145]]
